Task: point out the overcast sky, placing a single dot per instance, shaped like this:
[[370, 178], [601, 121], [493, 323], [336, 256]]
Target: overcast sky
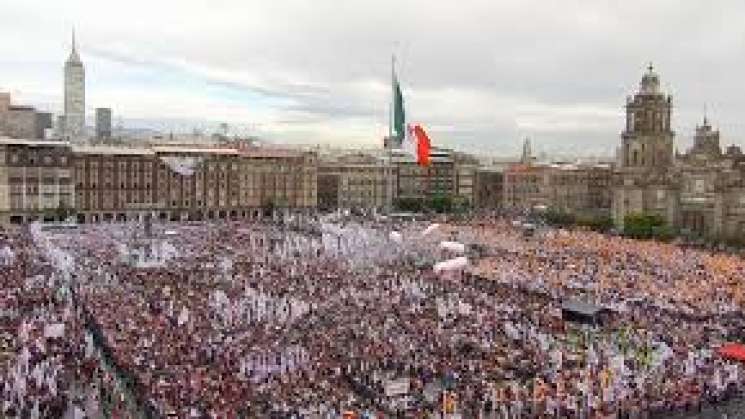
[[480, 75]]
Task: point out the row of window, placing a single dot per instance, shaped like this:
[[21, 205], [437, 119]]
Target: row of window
[[31, 159]]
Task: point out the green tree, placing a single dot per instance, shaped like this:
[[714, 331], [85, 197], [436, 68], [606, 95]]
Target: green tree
[[408, 204], [647, 226], [461, 205], [602, 224], [559, 218], [440, 204]]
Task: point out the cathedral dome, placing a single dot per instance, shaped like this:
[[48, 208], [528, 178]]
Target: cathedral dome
[[650, 82]]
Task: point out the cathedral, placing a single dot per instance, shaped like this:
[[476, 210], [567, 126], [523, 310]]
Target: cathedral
[[700, 192]]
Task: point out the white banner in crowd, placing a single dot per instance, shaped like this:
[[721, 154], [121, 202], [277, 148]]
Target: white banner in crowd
[[451, 265], [54, 330], [454, 247], [7, 257], [183, 317], [397, 387]]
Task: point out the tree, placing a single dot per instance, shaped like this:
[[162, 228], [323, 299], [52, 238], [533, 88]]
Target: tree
[[408, 204], [601, 224], [461, 205], [559, 218], [440, 204], [647, 226]]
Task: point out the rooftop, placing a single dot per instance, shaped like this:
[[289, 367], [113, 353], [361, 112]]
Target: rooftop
[[33, 143], [194, 150], [21, 108], [112, 151]]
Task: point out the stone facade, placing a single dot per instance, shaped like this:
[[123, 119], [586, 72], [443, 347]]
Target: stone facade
[[579, 189], [465, 178], [354, 181], [413, 181], [700, 192], [4, 105], [172, 183], [359, 181], [35, 178], [489, 189], [643, 183]]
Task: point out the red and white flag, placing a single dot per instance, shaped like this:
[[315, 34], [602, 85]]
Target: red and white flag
[[417, 144]]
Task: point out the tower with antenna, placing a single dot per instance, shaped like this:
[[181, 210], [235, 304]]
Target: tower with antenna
[[74, 92], [527, 155]]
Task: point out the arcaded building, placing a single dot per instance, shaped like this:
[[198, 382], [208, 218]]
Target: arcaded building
[[46, 180], [354, 181]]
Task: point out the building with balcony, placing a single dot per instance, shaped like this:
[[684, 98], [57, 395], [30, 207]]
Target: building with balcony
[[354, 181], [577, 189], [46, 179]]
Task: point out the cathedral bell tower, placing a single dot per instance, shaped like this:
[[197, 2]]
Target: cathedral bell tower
[[647, 141]]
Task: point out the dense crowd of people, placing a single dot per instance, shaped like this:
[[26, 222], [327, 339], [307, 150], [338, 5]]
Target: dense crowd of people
[[48, 364], [240, 319]]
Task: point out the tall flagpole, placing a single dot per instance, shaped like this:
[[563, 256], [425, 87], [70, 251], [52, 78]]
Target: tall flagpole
[[389, 151], [391, 104]]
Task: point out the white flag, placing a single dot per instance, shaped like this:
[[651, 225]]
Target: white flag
[[183, 317]]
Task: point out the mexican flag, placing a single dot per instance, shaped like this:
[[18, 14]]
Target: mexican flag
[[411, 138], [417, 144], [398, 119]]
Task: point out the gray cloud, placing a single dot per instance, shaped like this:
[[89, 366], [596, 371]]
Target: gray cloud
[[481, 74]]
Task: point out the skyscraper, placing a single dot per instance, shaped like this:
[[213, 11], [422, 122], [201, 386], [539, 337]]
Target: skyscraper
[[103, 123], [527, 156], [74, 95]]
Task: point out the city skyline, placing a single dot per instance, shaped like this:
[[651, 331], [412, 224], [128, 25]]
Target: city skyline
[[319, 74]]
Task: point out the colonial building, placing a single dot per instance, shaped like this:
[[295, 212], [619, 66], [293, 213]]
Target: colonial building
[[489, 189], [710, 188], [700, 192], [579, 189], [362, 181], [644, 181], [354, 181], [465, 178], [415, 182], [47, 179], [36, 179]]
